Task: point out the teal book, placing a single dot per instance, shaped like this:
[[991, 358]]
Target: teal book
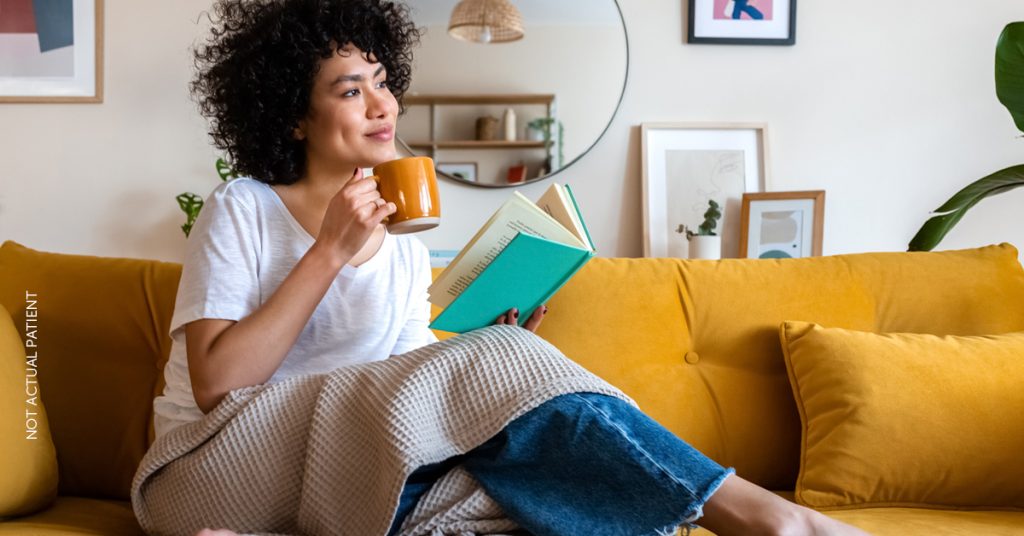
[[524, 275], [518, 259]]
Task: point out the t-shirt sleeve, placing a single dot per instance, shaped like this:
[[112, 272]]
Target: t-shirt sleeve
[[416, 331], [219, 277]]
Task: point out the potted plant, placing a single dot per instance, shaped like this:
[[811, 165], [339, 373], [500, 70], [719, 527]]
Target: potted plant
[[705, 244], [540, 129], [191, 203], [1009, 68]]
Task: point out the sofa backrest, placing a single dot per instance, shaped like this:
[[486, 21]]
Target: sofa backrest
[[695, 343], [102, 344]]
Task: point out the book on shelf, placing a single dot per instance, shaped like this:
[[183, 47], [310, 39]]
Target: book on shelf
[[520, 257]]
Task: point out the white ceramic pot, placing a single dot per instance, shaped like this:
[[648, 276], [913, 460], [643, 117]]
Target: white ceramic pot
[[706, 247], [534, 134]]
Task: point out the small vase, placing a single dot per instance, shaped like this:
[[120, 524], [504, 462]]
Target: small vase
[[510, 124], [706, 247]]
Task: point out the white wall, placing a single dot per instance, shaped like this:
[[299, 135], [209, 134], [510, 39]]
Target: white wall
[[546, 61], [888, 106]]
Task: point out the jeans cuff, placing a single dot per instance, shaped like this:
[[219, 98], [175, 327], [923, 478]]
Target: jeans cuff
[[689, 523]]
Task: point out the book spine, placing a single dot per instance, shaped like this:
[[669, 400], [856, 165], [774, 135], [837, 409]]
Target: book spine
[[579, 215]]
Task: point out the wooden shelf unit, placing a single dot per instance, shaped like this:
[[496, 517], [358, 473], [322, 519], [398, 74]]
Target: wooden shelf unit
[[496, 98], [476, 144], [434, 101]]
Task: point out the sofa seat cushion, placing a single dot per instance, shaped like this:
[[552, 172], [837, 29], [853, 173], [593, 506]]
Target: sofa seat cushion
[[77, 515], [925, 522], [922, 521]]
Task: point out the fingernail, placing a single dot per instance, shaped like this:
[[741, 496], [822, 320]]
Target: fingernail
[[544, 311], [515, 312]]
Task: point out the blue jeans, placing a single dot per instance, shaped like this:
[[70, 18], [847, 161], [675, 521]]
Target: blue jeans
[[584, 463]]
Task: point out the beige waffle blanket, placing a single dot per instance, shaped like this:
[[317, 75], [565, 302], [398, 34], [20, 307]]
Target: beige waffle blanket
[[330, 453]]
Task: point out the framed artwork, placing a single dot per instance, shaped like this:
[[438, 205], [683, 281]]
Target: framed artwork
[[462, 170], [51, 51], [741, 22], [685, 165], [441, 258], [782, 225]]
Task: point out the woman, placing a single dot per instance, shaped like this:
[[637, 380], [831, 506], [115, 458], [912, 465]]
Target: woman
[[290, 271]]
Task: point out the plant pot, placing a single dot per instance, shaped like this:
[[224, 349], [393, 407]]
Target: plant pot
[[534, 134], [706, 247]]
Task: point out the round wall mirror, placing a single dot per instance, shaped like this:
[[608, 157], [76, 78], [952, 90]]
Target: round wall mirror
[[497, 113]]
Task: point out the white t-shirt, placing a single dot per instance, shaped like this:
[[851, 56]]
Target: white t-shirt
[[243, 245]]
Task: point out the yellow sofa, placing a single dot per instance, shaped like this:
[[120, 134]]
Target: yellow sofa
[[695, 343]]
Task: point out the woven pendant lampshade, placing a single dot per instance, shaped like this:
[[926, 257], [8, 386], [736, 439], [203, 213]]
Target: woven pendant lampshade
[[486, 21]]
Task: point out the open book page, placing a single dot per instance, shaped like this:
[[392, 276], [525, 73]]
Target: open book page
[[557, 203], [518, 214]]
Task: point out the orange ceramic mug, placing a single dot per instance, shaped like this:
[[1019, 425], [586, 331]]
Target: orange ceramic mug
[[409, 183]]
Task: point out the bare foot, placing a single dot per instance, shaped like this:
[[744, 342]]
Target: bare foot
[[821, 524], [218, 532], [740, 507]]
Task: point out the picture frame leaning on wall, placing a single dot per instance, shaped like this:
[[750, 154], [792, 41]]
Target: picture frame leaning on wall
[[686, 164], [466, 171], [782, 225]]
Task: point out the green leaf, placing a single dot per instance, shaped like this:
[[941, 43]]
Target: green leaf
[[190, 204], [936, 228], [224, 170], [1010, 71]]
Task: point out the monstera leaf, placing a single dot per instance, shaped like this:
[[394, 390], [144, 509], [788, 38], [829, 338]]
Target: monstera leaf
[[1010, 91], [191, 203], [225, 170]]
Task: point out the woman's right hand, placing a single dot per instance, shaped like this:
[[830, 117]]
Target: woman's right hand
[[352, 216], [218, 532]]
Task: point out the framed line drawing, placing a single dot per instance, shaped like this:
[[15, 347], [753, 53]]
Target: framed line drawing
[[782, 225], [51, 51], [741, 22], [463, 170], [687, 164]]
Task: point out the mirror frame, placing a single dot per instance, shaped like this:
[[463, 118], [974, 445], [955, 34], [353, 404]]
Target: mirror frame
[[618, 104]]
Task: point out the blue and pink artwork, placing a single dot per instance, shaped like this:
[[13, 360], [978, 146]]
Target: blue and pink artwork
[[37, 38], [743, 10]]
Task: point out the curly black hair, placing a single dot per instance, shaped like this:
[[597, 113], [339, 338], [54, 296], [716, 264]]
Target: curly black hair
[[256, 71]]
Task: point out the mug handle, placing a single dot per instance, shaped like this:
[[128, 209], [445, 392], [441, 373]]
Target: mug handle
[[376, 179]]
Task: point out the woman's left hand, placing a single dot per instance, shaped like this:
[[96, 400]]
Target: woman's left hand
[[512, 317]]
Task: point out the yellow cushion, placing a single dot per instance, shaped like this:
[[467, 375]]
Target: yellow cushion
[[907, 419], [103, 343], [28, 461]]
